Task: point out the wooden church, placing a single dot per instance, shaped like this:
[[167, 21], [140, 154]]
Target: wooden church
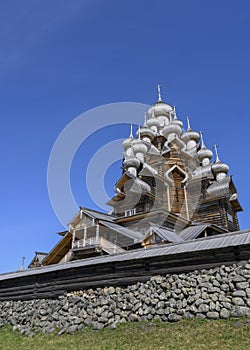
[[172, 189]]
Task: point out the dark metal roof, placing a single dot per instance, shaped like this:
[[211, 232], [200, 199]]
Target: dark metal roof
[[192, 232], [167, 235], [219, 188], [123, 230], [233, 239], [98, 215]]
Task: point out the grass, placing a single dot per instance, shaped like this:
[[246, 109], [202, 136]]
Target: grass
[[187, 334]]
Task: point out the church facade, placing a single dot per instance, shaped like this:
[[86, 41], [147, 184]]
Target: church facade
[[172, 189]]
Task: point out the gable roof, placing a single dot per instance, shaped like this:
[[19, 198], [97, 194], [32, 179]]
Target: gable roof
[[98, 215], [59, 250], [123, 230], [92, 214], [165, 234], [193, 232], [38, 258]]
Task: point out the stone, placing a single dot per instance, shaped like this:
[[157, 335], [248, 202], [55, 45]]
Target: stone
[[203, 308], [240, 311], [238, 301], [180, 312], [239, 293], [226, 305], [72, 329], [88, 321], [238, 278], [174, 317], [212, 306], [242, 285], [199, 302], [213, 315], [224, 287], [43, 312], [224, 299], [224, 313], [97, 326]]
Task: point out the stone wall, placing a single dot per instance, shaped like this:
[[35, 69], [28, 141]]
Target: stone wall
[[220, 292]]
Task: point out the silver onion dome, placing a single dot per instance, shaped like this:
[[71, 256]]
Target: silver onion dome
[[204, 152], [178, 122], [190, 134], [218, 166], [175, 120], [153, 121], [127, 143], [171, 128], [160, 107], [139, 147], [145, 131], [131, 162]]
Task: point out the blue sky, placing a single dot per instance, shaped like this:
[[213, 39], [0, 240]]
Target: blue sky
[[59, 59]]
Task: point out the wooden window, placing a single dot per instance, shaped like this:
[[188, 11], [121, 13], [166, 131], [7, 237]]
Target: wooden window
[[130, 212]]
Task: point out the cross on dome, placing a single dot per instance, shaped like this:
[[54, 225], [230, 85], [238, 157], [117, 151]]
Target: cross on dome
[[217, 154], [159, 93], [202, 140], [131, 131], [139, 132]]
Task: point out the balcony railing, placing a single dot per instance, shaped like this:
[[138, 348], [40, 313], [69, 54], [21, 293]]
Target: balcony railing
[[86, 242], [106, 245]]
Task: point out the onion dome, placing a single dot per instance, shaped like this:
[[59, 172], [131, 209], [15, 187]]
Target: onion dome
[[175, 120], [219, 167], [190, 135], [160, 107], [138, 145], [131, 162], [171, 128], [153, 121], [145, 131], [204, 152], [127, 143]]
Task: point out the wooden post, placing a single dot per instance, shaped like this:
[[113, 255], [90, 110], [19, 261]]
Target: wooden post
[[84, 235], [186, 202], [73, 238], [97, 234], [168, 194]]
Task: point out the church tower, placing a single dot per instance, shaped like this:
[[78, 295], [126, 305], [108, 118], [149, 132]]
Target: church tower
[[169, 169]]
